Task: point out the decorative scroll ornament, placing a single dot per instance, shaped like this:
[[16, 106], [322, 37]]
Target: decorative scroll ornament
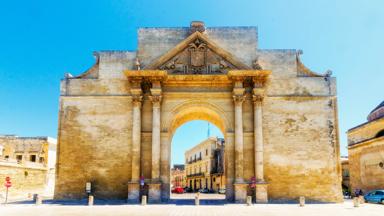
[[197, 58]]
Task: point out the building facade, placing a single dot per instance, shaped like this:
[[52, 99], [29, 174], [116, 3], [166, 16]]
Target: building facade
[[366, 152], [205, 165], [278, 118], [29, 162], [178, 177]]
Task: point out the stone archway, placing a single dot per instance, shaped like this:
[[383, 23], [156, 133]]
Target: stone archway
[[171, 109], [185, 112]]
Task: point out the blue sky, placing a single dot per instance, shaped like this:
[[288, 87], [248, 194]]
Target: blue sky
[[41, 40]]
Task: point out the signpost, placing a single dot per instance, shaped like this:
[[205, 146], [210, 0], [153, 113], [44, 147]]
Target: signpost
[[253, 182], [7, 184], [142, 181]]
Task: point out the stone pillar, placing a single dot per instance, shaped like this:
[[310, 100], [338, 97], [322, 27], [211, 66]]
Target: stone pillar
[[239, 139], [261, 186], [134, 185], [240, 186], [154, 186]]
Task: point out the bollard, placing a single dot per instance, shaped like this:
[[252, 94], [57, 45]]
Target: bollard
[[302, 201], [197, 199], [356, 202], [144, 200], [90, 200], [361, 199], [39, 199], [249, 200]]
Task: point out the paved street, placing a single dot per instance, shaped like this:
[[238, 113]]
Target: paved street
[[202, 196], [176, 210]]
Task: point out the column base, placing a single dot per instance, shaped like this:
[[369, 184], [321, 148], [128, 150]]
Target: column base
[[240, 192], [133, 192], [262, 192], [154, 193]]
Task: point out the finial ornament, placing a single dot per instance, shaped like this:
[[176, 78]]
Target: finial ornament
[[197, 26], [256, 65], [137, 63], [328, 73]]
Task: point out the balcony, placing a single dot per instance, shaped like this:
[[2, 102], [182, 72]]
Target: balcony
[[194, 160], [200, 174]]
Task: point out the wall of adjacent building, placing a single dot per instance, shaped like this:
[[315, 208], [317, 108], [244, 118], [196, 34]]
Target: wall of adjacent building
[[25, 179], [365, 153]]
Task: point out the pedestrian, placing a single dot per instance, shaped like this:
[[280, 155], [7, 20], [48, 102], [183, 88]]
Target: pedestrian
[[356, 192]]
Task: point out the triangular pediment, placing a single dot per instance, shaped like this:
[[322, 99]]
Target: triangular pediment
[[197, 54]]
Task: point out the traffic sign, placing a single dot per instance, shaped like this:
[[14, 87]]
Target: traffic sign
[[8, 184], [141, 180]]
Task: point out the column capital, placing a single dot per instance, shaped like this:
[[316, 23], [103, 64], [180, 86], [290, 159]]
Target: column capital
[[257, 99], [238, 99], [156, 100], [136, 100], [258, 95]]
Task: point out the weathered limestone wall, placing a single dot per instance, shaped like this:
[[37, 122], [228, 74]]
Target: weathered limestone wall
[[301, 155], [24, 179], [364, 159], [94, 145], [154, 42]]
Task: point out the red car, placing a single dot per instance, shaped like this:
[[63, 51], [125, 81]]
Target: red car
[[178, 190]]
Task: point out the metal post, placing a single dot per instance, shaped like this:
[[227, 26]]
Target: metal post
[[6, 196]]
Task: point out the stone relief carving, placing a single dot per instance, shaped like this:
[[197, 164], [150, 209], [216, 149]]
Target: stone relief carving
[[197, 58]]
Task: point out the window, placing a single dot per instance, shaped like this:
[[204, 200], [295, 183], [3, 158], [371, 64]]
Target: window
[[380, 134], [41, 160], [206, 152], [200, 155], [32, 158], [19, 157], [6, 156]]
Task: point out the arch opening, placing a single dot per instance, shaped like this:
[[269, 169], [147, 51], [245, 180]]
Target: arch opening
[[197, 135]]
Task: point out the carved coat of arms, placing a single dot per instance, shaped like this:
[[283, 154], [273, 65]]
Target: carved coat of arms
[[197, 52]]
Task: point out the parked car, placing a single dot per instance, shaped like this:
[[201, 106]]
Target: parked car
[[221, 191], [376, 196], [178, 190], [204, 190], [188, 190]]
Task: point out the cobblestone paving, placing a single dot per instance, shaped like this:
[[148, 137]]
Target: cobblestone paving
[[346, 209]]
